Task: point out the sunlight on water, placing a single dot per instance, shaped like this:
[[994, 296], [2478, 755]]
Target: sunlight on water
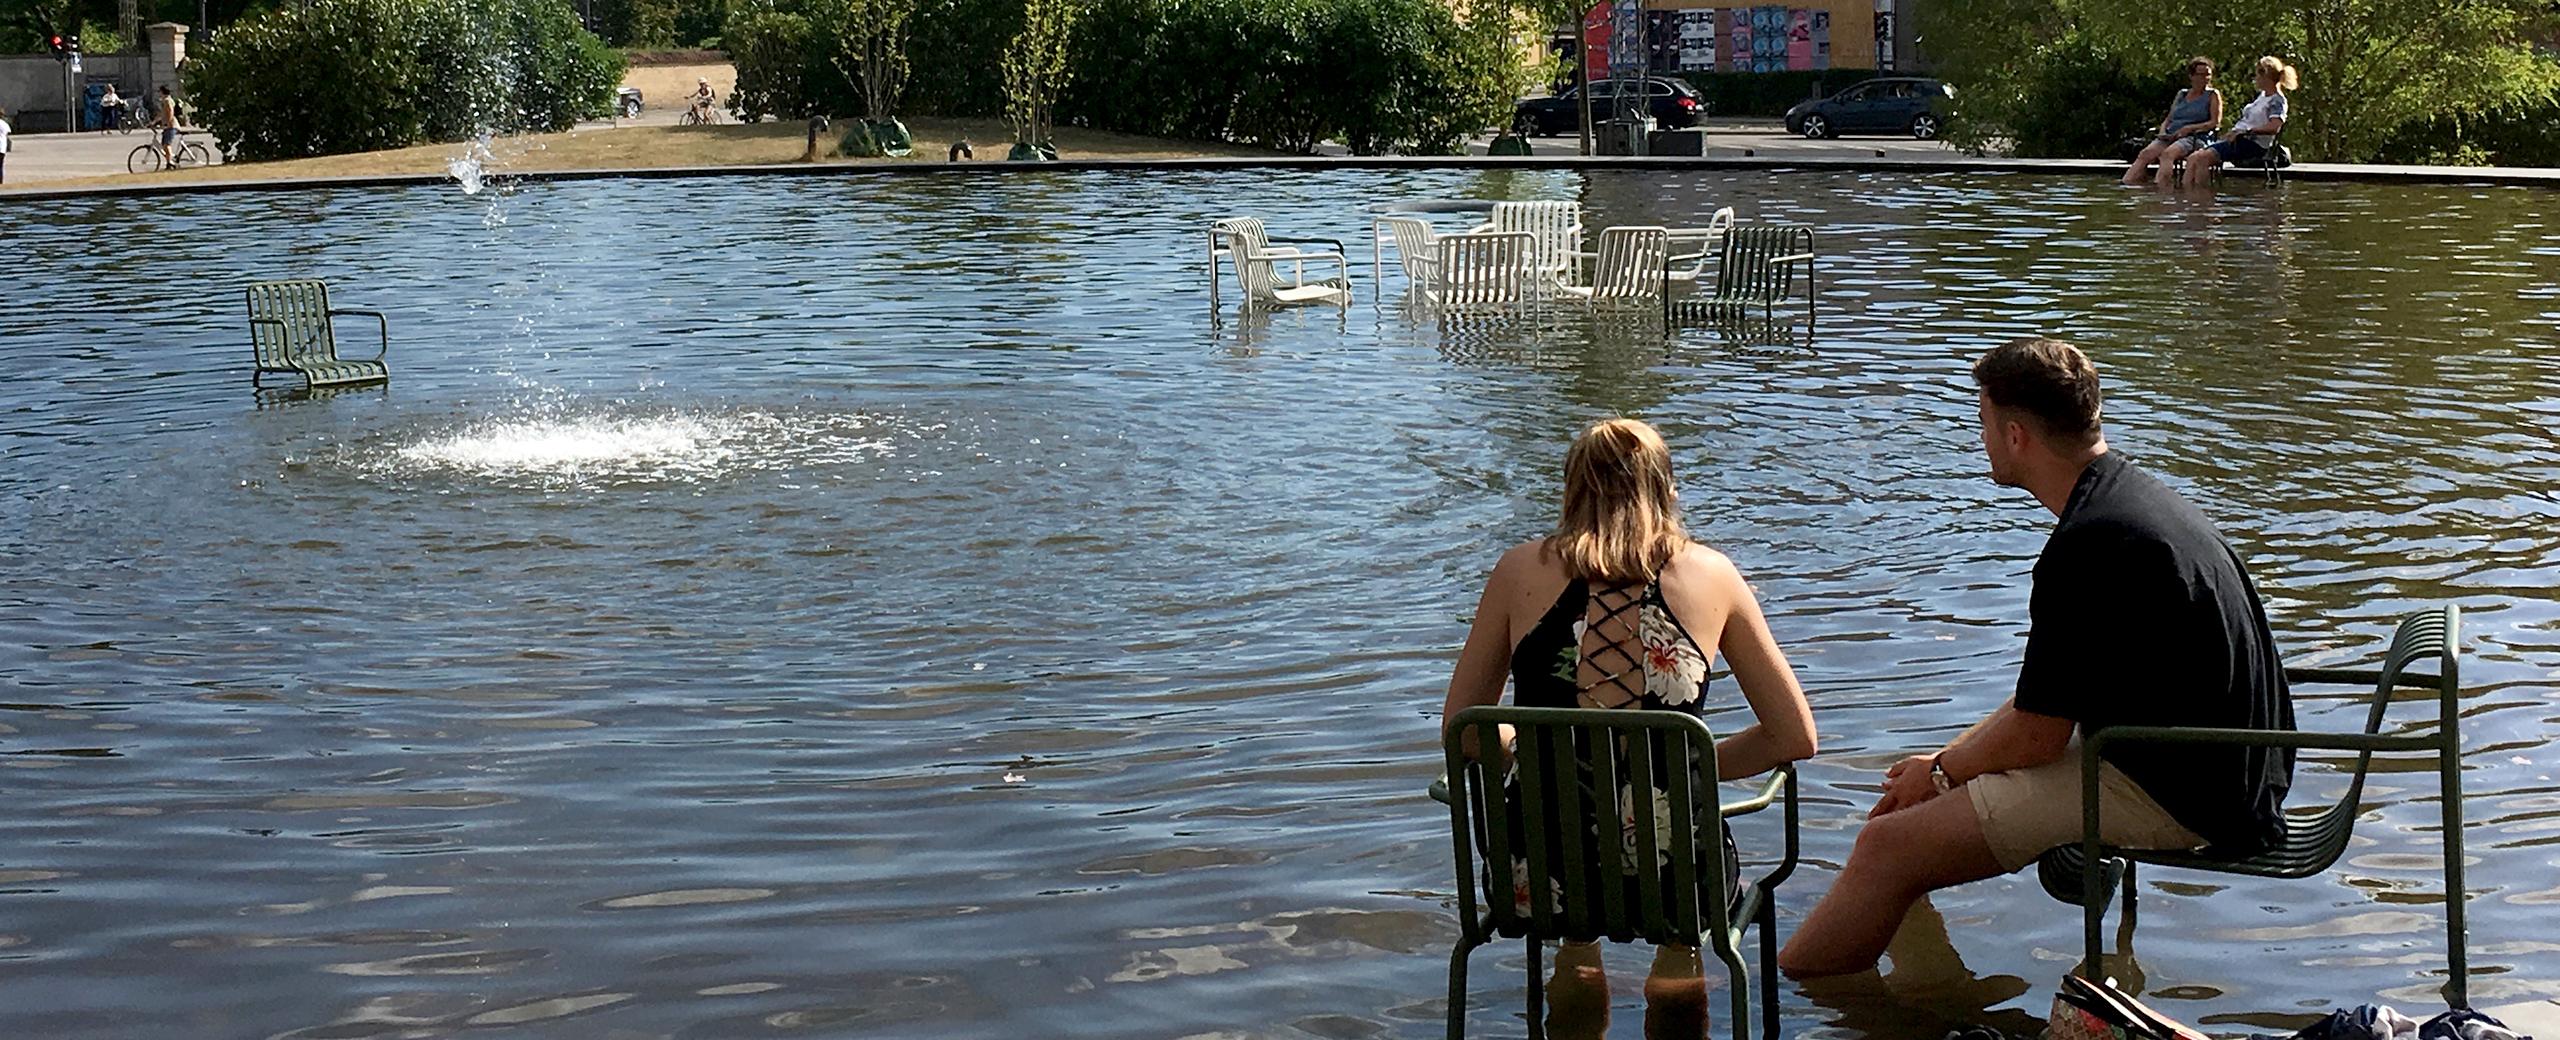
[[556, 449]]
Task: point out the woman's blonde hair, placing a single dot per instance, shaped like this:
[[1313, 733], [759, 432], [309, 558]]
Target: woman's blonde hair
[[2287, 77], [1621, 518]]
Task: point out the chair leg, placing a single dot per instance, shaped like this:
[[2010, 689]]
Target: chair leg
[[1458, 990], [1537, 994], [1768, 968], [2128, 897], [1739, 978]]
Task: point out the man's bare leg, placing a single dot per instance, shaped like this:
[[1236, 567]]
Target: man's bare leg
[[1899, 857], [1578, 993]]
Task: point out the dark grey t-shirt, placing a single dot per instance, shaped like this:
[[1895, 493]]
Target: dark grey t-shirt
[[2143, 616]]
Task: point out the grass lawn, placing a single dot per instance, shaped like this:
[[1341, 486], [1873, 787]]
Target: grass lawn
[[637, 147]]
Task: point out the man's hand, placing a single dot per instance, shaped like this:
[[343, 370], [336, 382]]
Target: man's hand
[[1905, 785]]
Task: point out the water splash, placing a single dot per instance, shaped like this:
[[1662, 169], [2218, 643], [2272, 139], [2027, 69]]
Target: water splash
[[471, 168], [605, 448]]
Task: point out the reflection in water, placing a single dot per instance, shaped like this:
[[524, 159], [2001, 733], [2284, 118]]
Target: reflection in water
[[742, 620]]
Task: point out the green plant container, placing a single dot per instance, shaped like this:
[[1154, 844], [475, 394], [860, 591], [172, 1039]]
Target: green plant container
[[891, 137], [859, 142], [1508, 144], [1023, 152]]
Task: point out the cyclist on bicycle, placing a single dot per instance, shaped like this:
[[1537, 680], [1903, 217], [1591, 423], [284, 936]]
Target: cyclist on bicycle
[[164, 117], [703, 97]]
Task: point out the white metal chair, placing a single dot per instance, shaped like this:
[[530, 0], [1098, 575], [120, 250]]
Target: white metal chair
[[1554, 227], [1257, 271], [1691, 248], [1236, 239], [1489, 271], [1417, 248], [1631, 264]]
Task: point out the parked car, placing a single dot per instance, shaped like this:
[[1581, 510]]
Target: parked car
[[1675, 106], [1887, 105]]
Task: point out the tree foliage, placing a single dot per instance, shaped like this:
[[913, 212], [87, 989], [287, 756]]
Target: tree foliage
[[1378, 75], [1035, 68], [808, 57], [2369, 68], [328, 76]]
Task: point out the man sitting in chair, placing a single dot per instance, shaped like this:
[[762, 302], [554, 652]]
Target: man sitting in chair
[[2140, 616]]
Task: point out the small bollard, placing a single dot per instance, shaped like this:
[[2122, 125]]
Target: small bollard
[[817, 125], [960, 150]]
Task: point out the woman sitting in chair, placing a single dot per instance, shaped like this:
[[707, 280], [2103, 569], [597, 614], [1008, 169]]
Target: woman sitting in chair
[[2193, 116], [1620, 609], [2260, 121]]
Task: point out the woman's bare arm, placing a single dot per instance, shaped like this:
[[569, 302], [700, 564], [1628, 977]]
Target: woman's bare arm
[[1782, 727]]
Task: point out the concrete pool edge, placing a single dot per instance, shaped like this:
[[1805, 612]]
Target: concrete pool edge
[[2491, 175]]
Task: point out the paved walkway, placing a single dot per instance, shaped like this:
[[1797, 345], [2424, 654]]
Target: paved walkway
[[54, 157]]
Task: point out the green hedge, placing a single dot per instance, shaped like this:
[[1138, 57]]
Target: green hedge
[[1379, 75], [322, 77]]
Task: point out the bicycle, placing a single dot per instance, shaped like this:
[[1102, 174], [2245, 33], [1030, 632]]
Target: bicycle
[[699, 114], [119, 118], [146, 158]]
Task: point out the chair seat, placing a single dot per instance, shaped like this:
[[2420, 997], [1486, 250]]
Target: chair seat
[[1295, 294], [333, 373]]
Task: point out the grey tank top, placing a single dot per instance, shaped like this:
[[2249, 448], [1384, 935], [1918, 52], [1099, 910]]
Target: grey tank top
[[2191, 108]]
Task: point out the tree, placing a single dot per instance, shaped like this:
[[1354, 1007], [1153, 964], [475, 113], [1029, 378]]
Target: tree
[[1035, 69], [2368, 67], [866, 42]]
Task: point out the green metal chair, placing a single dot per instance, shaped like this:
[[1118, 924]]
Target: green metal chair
[[1757, 268], [290, 331], [2313, 843], [1568, 762]]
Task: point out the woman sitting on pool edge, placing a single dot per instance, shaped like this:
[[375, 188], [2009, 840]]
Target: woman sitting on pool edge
[[1619, 609], [2193, 116], [2260, 121]]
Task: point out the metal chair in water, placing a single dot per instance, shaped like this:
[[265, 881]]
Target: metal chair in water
[[1246, 244], [1572, 768], [1632, 264], [1759, 267], [1475, 272], [1417, 249], [2312, 843], [290, 331], [1554, 230]]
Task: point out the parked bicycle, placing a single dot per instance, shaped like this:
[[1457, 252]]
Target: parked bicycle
[[146, 158]]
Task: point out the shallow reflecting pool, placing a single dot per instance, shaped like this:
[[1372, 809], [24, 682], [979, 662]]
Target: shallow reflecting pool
[[899, 607]]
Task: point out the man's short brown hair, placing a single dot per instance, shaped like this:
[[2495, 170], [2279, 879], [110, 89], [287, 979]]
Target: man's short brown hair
[[2049, 380]]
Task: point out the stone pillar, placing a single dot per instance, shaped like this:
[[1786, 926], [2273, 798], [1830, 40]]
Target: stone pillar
[[168, 49]]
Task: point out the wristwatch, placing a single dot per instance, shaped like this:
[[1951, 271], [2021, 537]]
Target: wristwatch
[[1938, 775]]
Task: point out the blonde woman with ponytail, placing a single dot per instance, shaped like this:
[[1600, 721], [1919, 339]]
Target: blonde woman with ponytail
[[1618, 608], [2260, 121]]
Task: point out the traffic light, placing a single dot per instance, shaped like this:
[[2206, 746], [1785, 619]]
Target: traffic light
[[55, 41], [72, 43]]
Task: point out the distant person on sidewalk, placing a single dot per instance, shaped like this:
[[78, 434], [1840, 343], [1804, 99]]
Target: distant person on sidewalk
[[4, 146], [2260, 121], [164, 116], [111, 113], [2193, 117], [2139, 615]]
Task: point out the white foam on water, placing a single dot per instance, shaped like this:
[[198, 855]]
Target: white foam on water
[[572, 446], [556, 449]]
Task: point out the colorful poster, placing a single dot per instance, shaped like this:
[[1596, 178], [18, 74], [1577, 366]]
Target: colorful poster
[[1692, 36], [1595, 41], [1799, 39], [1739, 55], [1769, 38], [1822, 39]]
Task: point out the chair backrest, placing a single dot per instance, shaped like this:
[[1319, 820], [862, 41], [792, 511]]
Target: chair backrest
[[1417, 246], [1253, 266], [1616, 830], [289, 323], [1632, 263], [1486, 270], [1747, 268], [1250, 227], [2420, 637], [1556, 227]]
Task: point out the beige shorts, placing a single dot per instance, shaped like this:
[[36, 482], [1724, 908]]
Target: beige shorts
[[2026, 811]]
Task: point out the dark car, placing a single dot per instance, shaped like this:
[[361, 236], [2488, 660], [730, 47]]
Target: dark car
[[1675, 105], [1889, 105]]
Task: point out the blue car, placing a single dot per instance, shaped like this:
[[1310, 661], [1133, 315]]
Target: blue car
[[1912, 105]]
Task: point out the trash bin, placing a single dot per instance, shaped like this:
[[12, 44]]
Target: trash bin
[[1678, 142], [1624, 136]]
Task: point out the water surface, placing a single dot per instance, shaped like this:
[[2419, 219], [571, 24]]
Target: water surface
[[900, 607]]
